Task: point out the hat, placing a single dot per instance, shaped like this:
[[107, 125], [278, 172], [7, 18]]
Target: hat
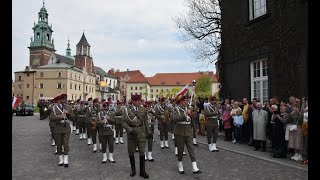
[[90, 99], [103, 100], [82, 102], [118, 102], [72, 101], [213, 98], [106, 103], [78, 101], [135, 97], [96, 100], [61, 96], [162, 99]]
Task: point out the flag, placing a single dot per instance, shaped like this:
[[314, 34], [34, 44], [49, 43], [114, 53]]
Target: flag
[[183, 91], [15, 102]]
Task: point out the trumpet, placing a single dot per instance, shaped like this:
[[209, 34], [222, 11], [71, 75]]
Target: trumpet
[[45, 109]]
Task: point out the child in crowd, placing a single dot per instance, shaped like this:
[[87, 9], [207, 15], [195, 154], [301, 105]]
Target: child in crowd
[[238, 121]]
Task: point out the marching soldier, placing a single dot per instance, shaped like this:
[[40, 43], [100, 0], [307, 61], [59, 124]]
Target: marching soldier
[[105, 123], [52, 125], [88, 121], [162, 114], [81, 119], [152, 122], [136, 124], [118, 119], [211, 112], [183, 132], [194, 124], [91, 114], [76, 107], [73, 119], [60, 115]]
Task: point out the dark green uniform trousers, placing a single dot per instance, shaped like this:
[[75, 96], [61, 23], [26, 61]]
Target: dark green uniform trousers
[[107, 140], [180, 142], [133, 143]]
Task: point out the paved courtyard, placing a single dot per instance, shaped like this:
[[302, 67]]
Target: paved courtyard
[[33, 158]]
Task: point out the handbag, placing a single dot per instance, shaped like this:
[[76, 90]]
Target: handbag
[[293, 127]]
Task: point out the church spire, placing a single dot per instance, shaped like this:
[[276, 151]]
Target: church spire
[[68, 50]]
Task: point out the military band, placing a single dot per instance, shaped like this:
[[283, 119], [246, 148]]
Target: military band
[[212, 115], [108, 120]]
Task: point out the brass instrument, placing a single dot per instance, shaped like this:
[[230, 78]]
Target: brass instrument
[[165, 116]]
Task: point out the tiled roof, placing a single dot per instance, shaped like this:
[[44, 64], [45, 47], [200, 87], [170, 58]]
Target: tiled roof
[[119, 74], [64, 59], [174, 79], [138, 78], [100, 71]]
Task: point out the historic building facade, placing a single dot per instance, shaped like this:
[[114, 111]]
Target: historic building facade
[[264, 50]]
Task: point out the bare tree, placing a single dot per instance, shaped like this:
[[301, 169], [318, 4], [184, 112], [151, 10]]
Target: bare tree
[[200, 29]]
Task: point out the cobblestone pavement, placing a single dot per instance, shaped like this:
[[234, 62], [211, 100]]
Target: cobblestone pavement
[[33, 158]]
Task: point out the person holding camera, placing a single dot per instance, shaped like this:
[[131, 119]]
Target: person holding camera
[[135, 122]]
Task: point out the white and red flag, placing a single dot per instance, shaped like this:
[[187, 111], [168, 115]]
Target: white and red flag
[[15, 102], [183, 91]]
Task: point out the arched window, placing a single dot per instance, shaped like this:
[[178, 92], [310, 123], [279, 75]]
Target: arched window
[[38, 35]]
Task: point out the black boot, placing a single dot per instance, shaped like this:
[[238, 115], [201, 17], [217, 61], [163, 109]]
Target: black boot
[[142, 168], [133, 166]]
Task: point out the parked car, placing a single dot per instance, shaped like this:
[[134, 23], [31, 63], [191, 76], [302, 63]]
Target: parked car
[[28, 110]]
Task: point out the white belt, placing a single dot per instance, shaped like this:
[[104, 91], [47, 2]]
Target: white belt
[[213, 117], [118, 117], [108, 125], [81, 115], [184, 122]]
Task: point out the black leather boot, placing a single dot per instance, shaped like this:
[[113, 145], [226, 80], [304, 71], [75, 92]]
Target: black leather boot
[[142, 168], [133, 166]]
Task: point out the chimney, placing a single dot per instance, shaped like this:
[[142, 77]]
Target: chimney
[[27, 68], [118, 70], [112, 69]]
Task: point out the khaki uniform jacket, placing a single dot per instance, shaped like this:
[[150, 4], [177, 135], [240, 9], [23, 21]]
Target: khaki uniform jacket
[[179, 116], [151, 119], [51, 123], [211, 115], [104, 130], [116, 116], [60, 127], [159, 112], [91, 112], [141, 119], [81, 113]]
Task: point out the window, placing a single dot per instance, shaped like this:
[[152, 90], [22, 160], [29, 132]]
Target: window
[[167, 90], [110, 82], [27, 97], [71, 96], [156, 90], [140, 88], [131, 88], [41, 86], [151, 95], [140, 94], [79, 87], [122, 86], [259, 80], [157, 96], [28, 85], [75, 87], [38, 34], [59, 74], [75, 76], [136, 88], [20, 87], [41, 74], [161, 90], [28, 74], [48, 37], [19, 78], [79, 77], [151, 90], [59, 86], [70, 75], [257, 8], [70, 85], [75, 97], [86, 88], [41, 95]]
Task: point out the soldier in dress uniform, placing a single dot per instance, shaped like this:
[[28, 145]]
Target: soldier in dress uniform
[[162, 114], [72, 104], [75, 110], [194, 124], [183, 132], [88, 121], [91, 114], [211, 112], [60, 114], [105, 123], [52, 125], [135, 122], [81, 119], [41, 106], [116, 112], [152, 122]]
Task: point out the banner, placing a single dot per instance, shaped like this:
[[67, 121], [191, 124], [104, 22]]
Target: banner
[[15, 102], [183, 91]]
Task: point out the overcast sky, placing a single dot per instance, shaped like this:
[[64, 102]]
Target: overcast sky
[[123, 34]]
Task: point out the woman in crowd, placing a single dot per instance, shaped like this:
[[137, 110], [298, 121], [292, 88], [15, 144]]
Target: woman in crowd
[[295, 134], [226, 116], [305, 134]]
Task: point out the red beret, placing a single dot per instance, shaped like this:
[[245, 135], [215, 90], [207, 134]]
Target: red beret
[[96, 100], [162, 99], [135, 97], [145, 105], [78, 100], [103, 100], [106, 103], [213, 98], [61, 96]]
